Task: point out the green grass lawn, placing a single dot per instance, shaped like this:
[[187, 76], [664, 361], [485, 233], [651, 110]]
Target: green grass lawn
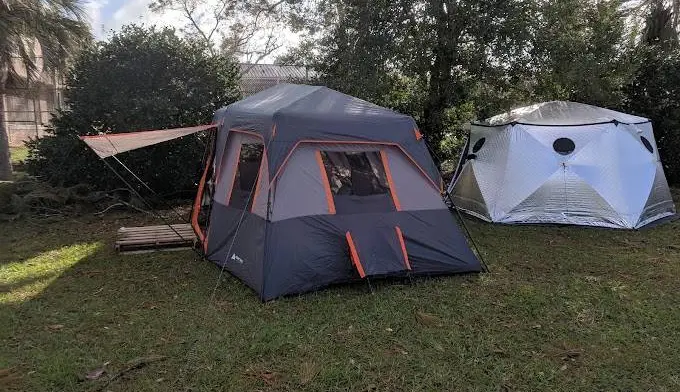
[[18, 154], [564, 309]]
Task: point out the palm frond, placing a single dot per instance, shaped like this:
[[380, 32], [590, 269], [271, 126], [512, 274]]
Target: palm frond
[[57, 28]]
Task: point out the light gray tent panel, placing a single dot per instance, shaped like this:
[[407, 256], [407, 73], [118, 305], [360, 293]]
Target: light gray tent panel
[[225, 170], [300, 191], [414, 190], [660, 203]]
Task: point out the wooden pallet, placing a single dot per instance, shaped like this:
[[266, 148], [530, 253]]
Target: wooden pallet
[[155, 238]]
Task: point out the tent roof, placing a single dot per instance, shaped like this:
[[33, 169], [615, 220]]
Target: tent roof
[[288, 114], [563, 113], [310, 101]]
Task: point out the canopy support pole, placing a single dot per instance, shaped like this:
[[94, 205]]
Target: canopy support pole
[[133, 190]]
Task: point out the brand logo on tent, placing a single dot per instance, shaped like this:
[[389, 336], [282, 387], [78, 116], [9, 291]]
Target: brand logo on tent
[[237, 259]]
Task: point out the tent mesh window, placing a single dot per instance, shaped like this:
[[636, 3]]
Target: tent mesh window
[[245, 179], [355, 173]]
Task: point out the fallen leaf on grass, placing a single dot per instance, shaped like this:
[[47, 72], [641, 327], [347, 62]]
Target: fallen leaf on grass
[[95, 374], [269, 377], [571, 354], [134, 364], [149, 305], [429, 320]]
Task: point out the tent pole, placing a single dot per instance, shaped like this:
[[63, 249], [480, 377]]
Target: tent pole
[[142, 182], [151, 190], [452, 206], [146, 202]]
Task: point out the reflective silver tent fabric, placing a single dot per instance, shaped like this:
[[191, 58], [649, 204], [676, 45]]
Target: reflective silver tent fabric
[[612, 177]]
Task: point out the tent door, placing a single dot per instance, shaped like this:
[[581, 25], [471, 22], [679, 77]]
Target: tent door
[[376, 251]]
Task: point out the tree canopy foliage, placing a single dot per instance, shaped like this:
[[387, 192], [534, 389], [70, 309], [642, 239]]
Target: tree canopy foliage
[[447, 62], [243, 29], [140, 79]]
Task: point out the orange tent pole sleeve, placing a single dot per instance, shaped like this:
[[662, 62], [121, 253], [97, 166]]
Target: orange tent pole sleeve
[[197, 206], [355, 255], [326, 183], [400, 236], [388, 174], [427, 177]]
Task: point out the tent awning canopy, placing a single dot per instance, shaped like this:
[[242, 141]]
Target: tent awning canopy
[[108, 145]]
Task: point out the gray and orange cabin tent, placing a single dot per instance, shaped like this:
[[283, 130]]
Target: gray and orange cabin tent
[[307, 187]]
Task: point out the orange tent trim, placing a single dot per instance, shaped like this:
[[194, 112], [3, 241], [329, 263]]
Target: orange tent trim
[[326, 183], [197, 207], [355, 255], [400, 236], [283, 164], [106, 135], [388, 174]]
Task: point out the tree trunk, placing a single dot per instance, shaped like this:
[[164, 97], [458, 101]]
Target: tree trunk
[[5, 161], [441, 87]]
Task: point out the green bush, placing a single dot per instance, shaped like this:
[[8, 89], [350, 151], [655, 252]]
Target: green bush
[[143, 78]]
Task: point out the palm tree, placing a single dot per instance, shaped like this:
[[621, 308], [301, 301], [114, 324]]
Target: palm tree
[[56, 27], [671, 9], [659, 26]]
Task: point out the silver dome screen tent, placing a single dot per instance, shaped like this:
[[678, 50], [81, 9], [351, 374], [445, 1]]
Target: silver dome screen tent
[[565, 163]]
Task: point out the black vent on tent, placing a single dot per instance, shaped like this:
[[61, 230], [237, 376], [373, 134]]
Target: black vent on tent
[[478, 146], [647, 144], [564, 146]]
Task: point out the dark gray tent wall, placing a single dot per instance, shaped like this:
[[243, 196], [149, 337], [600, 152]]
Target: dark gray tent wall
[[295, 233]]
